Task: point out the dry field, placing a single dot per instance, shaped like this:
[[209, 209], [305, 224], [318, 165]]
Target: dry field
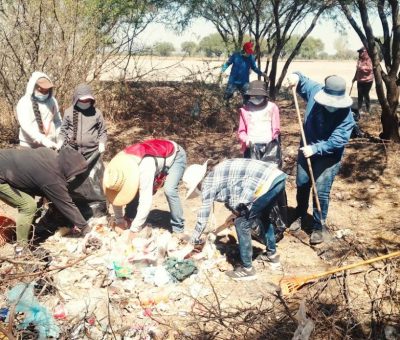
[[364, 206]]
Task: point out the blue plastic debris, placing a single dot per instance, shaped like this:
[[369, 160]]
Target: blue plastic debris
[[22, 295], [3, 313]]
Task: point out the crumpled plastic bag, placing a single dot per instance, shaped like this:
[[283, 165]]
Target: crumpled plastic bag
[[157, 276], [22, 295], [180, 269], [306, 325]]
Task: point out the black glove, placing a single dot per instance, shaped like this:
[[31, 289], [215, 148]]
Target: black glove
[[242, 210]]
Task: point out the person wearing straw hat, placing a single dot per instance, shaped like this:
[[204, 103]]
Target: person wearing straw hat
[[38, 114], [249, 188], [328, 123], [136, 173], [241, 63]]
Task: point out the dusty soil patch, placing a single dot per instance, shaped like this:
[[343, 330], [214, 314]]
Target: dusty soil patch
[[364, 200]]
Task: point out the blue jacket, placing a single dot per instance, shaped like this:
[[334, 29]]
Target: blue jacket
[[240, 68], [326, 132]]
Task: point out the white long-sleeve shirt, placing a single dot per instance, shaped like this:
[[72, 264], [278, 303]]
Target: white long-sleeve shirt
[[147, 173]]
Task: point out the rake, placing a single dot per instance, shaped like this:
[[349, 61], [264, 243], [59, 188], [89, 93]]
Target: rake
[[291, 285]]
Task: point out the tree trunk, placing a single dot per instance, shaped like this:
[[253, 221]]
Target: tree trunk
[[273, 73], [389, 119]]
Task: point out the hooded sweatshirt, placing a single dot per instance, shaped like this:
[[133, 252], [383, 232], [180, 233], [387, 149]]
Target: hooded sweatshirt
[[89, 124], [43, 172], [29, 132]]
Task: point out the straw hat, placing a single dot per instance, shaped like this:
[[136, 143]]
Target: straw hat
[[193, 175], [121, 179]]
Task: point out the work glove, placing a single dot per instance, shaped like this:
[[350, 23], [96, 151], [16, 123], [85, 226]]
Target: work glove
[[264, 75], [49, 144], [59, 145], [292, 80], [241, 210], [102, 147], [198, 244], [307, 151]]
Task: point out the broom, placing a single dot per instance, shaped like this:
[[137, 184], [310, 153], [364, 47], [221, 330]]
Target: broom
[[293, 284]]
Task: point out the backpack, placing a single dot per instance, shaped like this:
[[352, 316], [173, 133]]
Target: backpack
[[156, 148]]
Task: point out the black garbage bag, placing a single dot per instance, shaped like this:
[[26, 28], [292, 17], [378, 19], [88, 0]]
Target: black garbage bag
[[278, 218], [272, 153], [267, 152]]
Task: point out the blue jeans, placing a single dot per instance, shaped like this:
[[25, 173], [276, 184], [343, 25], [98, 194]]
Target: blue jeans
[[325, 170], [259, 213], [175, 174], [231, 88]]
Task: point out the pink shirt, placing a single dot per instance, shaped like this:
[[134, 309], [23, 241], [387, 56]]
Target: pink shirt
[[247, 120], [364, 73]]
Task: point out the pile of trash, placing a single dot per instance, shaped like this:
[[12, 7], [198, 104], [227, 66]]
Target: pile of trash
[[101, 284]]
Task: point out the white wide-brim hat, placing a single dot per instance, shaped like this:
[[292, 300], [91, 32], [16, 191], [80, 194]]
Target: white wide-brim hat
[[121, 179], [334, 93], [192, 176]]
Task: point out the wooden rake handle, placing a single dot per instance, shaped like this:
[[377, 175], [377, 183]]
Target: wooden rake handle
[[303, 137], [354, 265]]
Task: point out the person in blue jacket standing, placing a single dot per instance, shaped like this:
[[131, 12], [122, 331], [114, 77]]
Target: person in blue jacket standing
[[241, 63], [328, 123]]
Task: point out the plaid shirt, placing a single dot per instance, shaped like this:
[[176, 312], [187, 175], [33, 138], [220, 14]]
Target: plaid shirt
[[233, 181]]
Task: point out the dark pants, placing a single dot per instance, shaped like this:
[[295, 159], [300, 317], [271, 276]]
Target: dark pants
[[278, 213], [261, 208], [231, 88], [363, 93]]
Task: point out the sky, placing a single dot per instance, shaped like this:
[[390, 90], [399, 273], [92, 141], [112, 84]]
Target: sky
[[324, 30]]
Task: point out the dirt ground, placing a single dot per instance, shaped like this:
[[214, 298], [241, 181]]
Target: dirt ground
[[364, 202]]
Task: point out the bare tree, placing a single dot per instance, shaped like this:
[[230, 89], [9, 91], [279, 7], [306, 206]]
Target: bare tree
[[228, 17], [72, 41], [386, 79]]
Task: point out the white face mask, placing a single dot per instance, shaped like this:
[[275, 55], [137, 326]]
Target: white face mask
[[257, 100], [41, 97], [83, 106], [330, 108]]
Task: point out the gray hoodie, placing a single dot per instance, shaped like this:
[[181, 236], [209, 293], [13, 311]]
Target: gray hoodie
[[90, 125]]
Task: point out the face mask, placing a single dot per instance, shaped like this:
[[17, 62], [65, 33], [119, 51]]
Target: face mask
[[40, 97], [257, 100], [83, 106], [331, 108]]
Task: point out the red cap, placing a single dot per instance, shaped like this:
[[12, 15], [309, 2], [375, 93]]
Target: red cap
[[248, 47]]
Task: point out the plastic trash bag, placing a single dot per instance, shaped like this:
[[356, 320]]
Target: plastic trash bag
[[87, 187], [270, 152], [23, 297], [306, 325]]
